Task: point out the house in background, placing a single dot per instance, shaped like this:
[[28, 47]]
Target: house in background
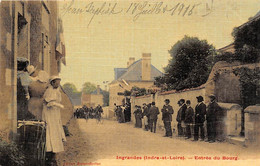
[[140, 73], [94, 99]]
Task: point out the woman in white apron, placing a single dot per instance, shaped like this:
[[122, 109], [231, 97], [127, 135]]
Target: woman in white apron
[[51, 115]]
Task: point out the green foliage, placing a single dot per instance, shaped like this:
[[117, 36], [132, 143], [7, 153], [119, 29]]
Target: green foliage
[[138, 91], [88, 88], [190, 64], [226, 56], [71, 90], [248, 54], [10, 154], [250, 85], [246, 40]]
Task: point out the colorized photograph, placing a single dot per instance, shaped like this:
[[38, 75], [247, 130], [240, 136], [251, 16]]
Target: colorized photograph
[[129, 82]]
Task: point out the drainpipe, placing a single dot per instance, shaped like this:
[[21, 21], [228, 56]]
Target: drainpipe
[[14, 72]]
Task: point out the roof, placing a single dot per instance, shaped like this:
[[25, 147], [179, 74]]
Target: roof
[[119, 72], [134, 72]]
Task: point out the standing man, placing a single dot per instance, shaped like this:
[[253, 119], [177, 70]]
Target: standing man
[[51, 115], [99, 110], [146, 116], [181, 117], [212, 110], [167, 112], [188, 119], [154, 111], [200, 112]]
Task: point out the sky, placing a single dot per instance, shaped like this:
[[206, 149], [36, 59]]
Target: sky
[[102, 35]]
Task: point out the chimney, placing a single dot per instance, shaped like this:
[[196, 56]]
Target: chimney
[[146, 66], [98, 89], [131, 61]]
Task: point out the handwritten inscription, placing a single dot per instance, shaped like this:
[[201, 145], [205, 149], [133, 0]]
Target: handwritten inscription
[[137, 9]]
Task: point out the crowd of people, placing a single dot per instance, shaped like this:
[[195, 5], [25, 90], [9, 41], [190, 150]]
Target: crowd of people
[[190, 121], [88, 112], [123, 112]]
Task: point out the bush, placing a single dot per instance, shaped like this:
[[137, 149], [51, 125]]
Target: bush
[[10, 154], [227, 57]]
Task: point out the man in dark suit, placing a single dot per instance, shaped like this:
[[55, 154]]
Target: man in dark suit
[[188, 119], [153, 114], [181, 117], [212, 111], [167, 112], [200, 112]]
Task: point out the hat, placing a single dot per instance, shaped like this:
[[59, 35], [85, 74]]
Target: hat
[[54, 78], [182, 100], [167, 100], [22, 59], [31, 69], [212, 96], [200, 98]]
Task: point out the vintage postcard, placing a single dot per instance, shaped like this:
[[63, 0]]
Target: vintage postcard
[[129, 82]]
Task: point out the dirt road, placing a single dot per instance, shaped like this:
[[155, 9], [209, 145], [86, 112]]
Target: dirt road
[[111, 143]]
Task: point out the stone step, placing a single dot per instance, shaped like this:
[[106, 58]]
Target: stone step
[[237, 140]]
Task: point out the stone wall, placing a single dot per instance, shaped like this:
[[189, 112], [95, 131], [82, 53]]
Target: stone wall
[[114, 88], [174, 97], [5, 69]]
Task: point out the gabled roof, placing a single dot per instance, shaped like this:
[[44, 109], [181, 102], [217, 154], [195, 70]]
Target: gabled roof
[[134, 72], [119, 72]]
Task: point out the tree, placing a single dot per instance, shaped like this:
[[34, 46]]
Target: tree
[[88, 88], [246, 40], [189, 66], [71, 90], [137, 91]]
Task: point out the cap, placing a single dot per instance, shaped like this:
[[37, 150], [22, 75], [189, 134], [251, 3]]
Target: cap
[[212, 96]]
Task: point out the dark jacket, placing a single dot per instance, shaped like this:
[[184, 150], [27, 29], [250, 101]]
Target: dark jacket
[[200, 112], [189, 114], [146, 111], [214, 112], [153, 112], [138, 113], [181, 113], [167, 112]]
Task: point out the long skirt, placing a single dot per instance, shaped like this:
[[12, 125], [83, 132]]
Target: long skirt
[[138, 122], [54, 130]]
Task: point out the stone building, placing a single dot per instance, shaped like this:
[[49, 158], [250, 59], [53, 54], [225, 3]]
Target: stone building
[[28, 29], [140, 73]]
